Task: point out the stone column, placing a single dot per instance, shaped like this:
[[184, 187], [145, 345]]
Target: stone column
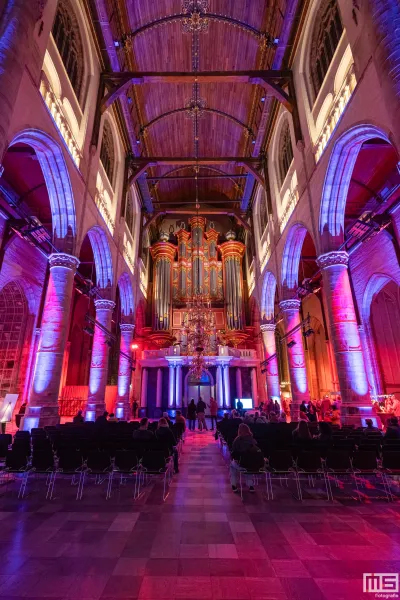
[[159, 388], [143, 389], [17, 22], [384, 19], [220, 387], [171, 386], [344, 328], [124, 372], [178, 387], [296, 356], [227, 387], [96, 403], [272, 371], [239, 387], [254, 386], [43, 402]]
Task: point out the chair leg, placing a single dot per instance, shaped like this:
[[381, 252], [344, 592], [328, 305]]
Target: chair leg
[[328, 487], [81, 480], [22, 488], [51, 487]]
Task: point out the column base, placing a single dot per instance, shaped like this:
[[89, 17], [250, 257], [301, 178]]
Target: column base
[[94, 409], [123, 410], [40, 416]]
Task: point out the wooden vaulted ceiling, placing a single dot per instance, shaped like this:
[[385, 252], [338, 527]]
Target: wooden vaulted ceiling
[[233, 41]]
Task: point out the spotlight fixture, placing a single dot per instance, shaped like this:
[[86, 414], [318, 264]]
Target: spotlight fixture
[[263, 99], [291, 343], [116, 43]]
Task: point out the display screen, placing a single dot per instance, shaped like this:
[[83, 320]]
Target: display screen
[[247, 403]]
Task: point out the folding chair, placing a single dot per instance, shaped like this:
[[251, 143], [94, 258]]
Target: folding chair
[[310, 464], [390, 466], [127, 464], [154, 463], [17, 463], [251, 463], [280, 463], [43, 462], [99, 464], [338, 462], [365, 463], [70, 463]]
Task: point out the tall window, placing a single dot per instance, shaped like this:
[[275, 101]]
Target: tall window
[[68, 41], [285, 152], [327, 32], [262, 213], [107, 152], [129, 213]]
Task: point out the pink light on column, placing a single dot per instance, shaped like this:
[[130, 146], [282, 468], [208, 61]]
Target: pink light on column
[[272, 373], [99, 364], [53, 337], [124, 372], [344, 327], [296, 356]]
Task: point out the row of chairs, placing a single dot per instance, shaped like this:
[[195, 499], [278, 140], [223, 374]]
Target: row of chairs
[[308, 461]]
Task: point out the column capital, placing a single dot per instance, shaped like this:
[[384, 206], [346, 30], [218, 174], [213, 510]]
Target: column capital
[[127, 327], [102, 304], [293, 304], [332, 259], [67, 261], [268, 327]]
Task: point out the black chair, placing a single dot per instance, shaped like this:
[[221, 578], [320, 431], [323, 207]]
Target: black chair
[[154, 463], [365, 464], [17, 463], [99, 464], [5, 442], [127, 464], [310, 464], [251, 463], [43, 462], [390, 466], [280, 463], [338, 463], [70, 463]]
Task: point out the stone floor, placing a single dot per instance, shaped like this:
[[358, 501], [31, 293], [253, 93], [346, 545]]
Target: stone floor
[[203, 542]]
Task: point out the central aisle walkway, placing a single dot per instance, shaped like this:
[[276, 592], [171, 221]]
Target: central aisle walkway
[[202, 543]]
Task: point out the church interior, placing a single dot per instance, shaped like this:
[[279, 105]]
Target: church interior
[[199, 299]]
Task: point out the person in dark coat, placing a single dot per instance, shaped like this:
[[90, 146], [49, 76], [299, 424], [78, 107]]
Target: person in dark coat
[[143, 433], [201, 416], [191, 415], [78, 418], [244, 442]]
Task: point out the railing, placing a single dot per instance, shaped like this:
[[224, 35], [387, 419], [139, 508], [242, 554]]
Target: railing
[[57, 112], [338, 107], [242, 353]]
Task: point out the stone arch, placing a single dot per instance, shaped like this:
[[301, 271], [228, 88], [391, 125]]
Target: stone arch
[[126, 295], [375, 284], [13, 324], [291, 256], [102, 257], [337, 182], [59, 188], [268, 296]]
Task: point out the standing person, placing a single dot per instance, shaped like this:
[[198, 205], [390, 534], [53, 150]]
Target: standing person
[[325, 407], [335, 418], [201, 409], [277, 407], [78, 418], [270, 406], [239, 407], [311, 412], [180, 419], [135, 406], [191, 415], [213, 406]]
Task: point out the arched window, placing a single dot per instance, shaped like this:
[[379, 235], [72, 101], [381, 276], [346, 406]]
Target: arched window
[[262, 213], [327, 32], [69, 43], [107, 152], [129, 213], [285, 152]]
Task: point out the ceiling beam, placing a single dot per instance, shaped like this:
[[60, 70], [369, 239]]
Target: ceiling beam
[[215, 111], [222, 176], [270, 80], [141, 164]]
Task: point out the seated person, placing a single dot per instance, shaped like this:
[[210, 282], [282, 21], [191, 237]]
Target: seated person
[[164, 434], [180, 419], [143, 434], [325, 433], [244, 442], [235, 417], [101, 419], [282, 418], [262, 418], [78, 418], [301, 433], [273, 418], [112, 418], [165, 416], [393, 429], [370, 426]]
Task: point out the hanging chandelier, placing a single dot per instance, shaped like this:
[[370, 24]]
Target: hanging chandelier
[[195, 20], [195, 108]]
